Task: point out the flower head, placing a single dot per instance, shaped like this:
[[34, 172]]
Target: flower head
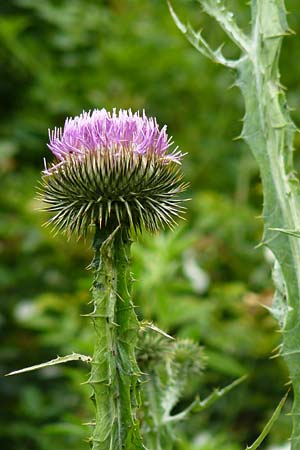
[[112, 169], [102, 131]]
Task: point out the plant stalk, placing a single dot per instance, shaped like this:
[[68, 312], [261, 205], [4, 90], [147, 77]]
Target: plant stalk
[[114, 372]]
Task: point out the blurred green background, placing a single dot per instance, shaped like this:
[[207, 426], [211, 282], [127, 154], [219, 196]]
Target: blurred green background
[[205, 281]]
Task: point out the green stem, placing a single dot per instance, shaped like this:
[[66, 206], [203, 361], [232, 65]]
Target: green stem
[[114, 373]]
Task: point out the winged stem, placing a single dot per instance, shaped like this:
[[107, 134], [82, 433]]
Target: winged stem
[[269, 132], [114, 373]]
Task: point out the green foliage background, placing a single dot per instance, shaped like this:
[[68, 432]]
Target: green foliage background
[[206, 281]]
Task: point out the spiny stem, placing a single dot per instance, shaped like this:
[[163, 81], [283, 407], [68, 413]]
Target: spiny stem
[[269, 131], [114, 373]]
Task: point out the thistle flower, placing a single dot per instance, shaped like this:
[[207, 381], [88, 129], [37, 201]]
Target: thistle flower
[[111, 169]]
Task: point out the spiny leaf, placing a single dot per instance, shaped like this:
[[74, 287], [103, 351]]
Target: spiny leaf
[[53, 362], [199, 405], [197, 40], [269, 131], [224, 17]]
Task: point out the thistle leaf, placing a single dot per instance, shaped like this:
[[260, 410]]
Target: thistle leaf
[[53, 362], [224, 17], [197, 40], [199, 405], [269, 131]]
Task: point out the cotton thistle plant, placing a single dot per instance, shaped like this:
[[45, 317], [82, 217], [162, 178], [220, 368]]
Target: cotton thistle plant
[[113, 173]]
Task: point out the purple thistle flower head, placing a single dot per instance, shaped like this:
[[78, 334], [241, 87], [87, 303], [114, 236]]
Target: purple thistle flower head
[[112, 169], [101, 130]]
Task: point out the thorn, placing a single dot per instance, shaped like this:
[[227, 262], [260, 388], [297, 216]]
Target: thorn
[[94, 315], [261, 244], [232, 85], [239, 137], [277, 348], [274, 356]]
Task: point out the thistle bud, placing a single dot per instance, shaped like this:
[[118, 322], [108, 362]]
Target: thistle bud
[[188, 357], [112, 169]]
